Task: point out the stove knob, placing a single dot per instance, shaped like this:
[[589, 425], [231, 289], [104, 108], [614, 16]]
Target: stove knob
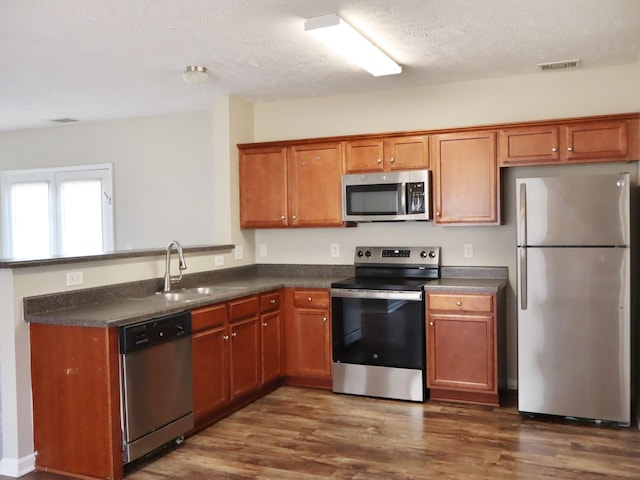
[[360, 254], [432, 254], [367, 254], [423, 254]]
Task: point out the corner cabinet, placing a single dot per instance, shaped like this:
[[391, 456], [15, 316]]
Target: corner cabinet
[[291, 186], [464, 346], [383, 154], [467, 186], [308, 337], [571, 142]]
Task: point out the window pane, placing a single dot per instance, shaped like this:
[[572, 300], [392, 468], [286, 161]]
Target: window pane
[[81, 217], [30, 220]]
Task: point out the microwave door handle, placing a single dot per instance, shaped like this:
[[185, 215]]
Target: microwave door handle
[[403, 193]]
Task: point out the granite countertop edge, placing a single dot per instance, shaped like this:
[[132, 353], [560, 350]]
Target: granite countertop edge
[[112, 309]]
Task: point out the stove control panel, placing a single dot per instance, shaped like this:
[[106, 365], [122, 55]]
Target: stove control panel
[[397, 256]]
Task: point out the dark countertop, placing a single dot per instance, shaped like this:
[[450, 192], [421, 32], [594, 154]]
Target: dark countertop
[[131, 303]]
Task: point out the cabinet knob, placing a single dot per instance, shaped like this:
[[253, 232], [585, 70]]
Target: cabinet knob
[[324, 319], [264, 324], [570, 149], [234, 334], [310, 299], [437, 214], [379, 160], [282, 217], [459, 303], [293, 217], [225, 337], [272, 301], [431, 324], [554, 149], [391, 160]]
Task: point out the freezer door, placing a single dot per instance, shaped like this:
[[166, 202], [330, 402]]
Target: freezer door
[[574, 334], [576, 210]]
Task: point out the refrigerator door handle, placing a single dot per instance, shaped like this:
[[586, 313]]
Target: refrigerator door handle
[[523, 278], [522, 216]]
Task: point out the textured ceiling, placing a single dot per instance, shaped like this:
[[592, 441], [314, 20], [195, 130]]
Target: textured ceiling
[[96, 59]]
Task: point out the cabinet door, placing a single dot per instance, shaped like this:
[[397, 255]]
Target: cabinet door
[[529, 146], [313, 343], [406, 153], [271, 346], [315, 185], [364, 156], [467, 187], [263, 187], [245, 356], [210, 371], [594, 141], [461, 352]]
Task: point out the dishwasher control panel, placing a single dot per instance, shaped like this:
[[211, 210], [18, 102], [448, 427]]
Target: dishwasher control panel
[[152, 332]]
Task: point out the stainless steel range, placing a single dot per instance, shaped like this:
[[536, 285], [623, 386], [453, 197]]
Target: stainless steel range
[[379, 323]]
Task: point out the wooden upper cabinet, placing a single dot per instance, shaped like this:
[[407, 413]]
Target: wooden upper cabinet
[[388, 154], [315, 185], [577, 141], [466, 178], [263, 187], [529, 145]]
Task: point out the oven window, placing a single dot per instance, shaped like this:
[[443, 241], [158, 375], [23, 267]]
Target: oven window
[[379, 332]]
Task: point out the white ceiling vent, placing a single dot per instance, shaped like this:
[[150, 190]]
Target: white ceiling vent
[[559, 65]]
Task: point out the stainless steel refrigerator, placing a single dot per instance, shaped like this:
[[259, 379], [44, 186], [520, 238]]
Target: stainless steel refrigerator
[[573, 268]]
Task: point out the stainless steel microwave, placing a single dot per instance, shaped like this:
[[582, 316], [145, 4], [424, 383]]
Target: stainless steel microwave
[[386, 197]]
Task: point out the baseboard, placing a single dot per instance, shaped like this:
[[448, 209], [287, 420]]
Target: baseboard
[[17, 467]]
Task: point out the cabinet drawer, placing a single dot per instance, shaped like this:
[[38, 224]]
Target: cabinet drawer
[[243, 308], [208, 317], [315, 298], [270, 301], [460, 302]]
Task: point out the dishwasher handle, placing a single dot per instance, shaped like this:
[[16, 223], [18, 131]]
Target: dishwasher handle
[[156, 331]]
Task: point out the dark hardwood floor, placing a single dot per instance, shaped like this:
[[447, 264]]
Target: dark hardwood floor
[[297, 433]]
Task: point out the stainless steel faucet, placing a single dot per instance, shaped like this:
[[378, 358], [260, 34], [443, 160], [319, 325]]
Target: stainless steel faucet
[[182, 265]]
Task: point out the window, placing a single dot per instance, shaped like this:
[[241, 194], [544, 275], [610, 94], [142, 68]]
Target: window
[[57, 211]]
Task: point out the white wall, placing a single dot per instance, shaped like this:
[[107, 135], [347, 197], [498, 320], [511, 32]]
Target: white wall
[[530, 97], [163, 171]]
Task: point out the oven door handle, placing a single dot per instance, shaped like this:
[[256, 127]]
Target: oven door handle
[[377, 294]]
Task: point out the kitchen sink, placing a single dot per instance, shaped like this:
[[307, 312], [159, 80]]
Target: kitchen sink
[[195, 293], [178, 296]]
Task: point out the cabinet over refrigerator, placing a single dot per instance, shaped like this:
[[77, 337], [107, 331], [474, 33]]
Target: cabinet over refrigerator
[[573, 247]]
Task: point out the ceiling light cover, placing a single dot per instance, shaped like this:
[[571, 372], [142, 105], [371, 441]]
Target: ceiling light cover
[[195, 74], [344, 39]]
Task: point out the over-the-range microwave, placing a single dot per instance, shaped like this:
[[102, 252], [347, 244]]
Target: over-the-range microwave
[[386, 197]]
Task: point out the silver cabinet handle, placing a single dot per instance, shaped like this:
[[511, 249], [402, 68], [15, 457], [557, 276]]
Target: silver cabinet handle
[[310, 299], [282, 217], [379, 160], [391, 160], [570, 149], [272, 301], [431, 324], [294, 217], [554, 149], [225, 337], [264, 324], [459, 303], [234, 334], [324, 319]]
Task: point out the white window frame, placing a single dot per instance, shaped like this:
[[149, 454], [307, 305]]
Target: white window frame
[[54, 176]]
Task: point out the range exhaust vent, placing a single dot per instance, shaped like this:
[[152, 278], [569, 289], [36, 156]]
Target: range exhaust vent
[[559, 65]]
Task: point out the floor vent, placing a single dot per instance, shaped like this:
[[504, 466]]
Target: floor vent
[[559, 65]]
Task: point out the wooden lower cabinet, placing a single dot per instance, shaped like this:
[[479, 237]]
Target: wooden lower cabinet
[[465, 346], [271, 344], [308, 337], [76, 400]]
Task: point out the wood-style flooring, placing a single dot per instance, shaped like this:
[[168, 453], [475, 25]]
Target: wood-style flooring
[[298, 433]]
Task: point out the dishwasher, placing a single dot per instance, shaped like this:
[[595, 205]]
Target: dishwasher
[[155, 384]]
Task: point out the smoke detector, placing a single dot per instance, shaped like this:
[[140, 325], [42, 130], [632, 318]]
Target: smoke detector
[[559, 65]]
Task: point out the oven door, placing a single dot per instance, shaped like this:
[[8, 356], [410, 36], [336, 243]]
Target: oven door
[[378, 327]]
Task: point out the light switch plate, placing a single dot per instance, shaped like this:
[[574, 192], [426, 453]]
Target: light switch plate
[[335, 249], [238, 252], [219, 260], [263, 250], [468, 250]]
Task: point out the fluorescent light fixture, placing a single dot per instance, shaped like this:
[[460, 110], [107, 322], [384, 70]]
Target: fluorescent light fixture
[[344, 39]]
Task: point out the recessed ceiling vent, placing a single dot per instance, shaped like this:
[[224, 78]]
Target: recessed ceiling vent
[[559, 65]]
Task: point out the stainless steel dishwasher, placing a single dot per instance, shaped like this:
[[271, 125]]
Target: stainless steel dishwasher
[[155, 383]]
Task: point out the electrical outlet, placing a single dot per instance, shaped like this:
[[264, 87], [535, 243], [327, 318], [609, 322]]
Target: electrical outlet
[[238, 252], [263, 250], [75, 278], [335, 249], [219, 260], [468, 250]]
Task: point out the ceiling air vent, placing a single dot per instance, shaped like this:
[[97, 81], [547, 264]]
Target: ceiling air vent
[[559, 65]]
